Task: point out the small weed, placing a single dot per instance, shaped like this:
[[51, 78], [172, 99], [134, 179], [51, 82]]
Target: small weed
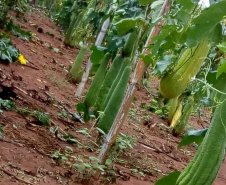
[[84, 131], [123, 143], [63, 114], [43, 118], [7, 104], [158, 107], [70, 139], [60, 157], [24, 111], [58, 82], [85, 167]]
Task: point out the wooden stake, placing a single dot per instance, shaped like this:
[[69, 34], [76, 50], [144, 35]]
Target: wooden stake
[[136, 79], [98, 42]]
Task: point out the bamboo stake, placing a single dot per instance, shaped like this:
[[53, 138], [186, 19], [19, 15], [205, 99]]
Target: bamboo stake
[[136, 79], [98, 42]]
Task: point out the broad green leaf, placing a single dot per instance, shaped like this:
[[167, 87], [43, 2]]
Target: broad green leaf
[[125, 25], [156, 8], [97, 54], [221, 69], [100, 167], [83, 131], [161, 38], [169, 179], [101, 131], [163, 64], [222, 47], [146, 2], [79, 168], [42, 117], [94, 159], [187, 5], [76, 116], [216, 35], [72, 141], [108, 162], [191, 136], [203, 24], [17, 31], [87, 165], [148, 59]]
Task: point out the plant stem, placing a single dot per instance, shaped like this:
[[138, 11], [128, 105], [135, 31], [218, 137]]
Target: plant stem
[[210, 86]]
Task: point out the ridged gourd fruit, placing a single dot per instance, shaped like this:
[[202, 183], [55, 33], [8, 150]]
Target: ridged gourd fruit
[[115, 102], [174, 83], [94, 89], [183, 120], [108, 81], [204, 167], [126, 62], [173, 104], [76, 68]]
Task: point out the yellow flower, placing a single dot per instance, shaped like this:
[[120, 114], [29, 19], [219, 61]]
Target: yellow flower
[[61, 4], [22, 59]]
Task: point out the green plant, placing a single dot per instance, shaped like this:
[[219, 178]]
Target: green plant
[[17, 31], [7, 104], [157, 106], [115, 102], [123, 143], [43, 118], [70, 139], [7, 52], [70, 31], [22, 6], [60, 157], [87, 169]]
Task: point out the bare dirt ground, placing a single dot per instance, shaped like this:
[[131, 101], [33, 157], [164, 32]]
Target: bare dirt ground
[[27, 148]]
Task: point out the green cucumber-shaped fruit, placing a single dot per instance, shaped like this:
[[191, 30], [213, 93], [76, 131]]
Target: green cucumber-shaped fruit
[[115, 102], [126, 62], [76, 68], [203, 168], [73, 25], [183, 120], [94, 89], [172, 108], [174, 83], [130, 43], [108, 81]]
